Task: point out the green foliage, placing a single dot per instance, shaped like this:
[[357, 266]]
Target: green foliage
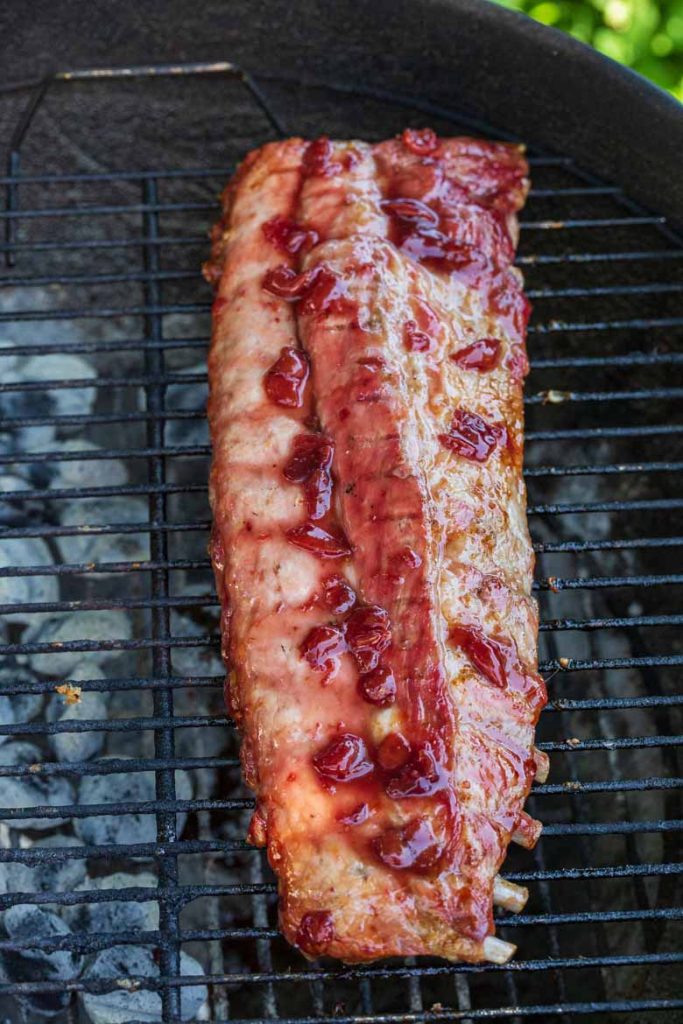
[[646, 35]]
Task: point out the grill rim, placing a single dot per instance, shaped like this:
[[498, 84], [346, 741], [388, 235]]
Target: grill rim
[[161, 641]]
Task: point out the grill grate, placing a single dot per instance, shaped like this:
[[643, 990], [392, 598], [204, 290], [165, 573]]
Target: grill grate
[[115, 283]]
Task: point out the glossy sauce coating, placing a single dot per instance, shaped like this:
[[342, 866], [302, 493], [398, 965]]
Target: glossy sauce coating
[[370, 545]]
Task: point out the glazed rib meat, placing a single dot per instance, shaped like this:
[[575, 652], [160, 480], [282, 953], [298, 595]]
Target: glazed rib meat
[[370, 543]]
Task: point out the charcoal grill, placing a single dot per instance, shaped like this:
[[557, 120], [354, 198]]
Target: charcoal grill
[[102, 264]]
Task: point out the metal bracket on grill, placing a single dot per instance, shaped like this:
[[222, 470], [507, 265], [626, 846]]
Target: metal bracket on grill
[[39, 88]]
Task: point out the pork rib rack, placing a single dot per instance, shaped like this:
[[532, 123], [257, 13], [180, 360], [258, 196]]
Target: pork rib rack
[[370, 542]]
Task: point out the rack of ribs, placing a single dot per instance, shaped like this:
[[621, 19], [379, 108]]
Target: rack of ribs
[[370, 543]]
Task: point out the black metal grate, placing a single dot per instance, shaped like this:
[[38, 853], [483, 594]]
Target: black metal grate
[[103, 266]]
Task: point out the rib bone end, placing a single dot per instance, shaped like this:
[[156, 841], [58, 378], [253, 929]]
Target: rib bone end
[[527, 832], [508, 895], [542, 765], [497, 951]]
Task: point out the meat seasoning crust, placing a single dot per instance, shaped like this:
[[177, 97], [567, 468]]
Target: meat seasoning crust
[[370, 542]]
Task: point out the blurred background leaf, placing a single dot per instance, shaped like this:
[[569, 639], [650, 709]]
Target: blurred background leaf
[[646, 35]]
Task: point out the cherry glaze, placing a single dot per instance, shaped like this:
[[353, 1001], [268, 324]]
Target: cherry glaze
[[420, 141], [345, 759], [285, 283], [328, 294], [517, 362], [410, 558], [288, 236], [317, 160], [417, 229], [315, 932], [310, 464], [378, 687], [412, 212], [357, 816], [412, 846], [471, 437], [414, 339], [320, 542], [393, 752], [338, 595], [498, 661], [422, 775], [481, 355], [322, 647], [421, 333], [285, 381], [368, 633]]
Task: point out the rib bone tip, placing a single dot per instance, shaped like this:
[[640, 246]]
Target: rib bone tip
[[542, 765], [497, 951], [508, 895], [527, 832]]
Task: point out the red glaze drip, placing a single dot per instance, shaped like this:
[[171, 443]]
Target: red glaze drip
[[421, 141], [323, 543], [517, 363], [318, 162], [284, 282], [378, 687], [327, 294], [498, 661], [414, 339], [338, 595], [315, 932], [345, 759], [393, 752], [357, 816], [318, 289], [218, 305], [510, 303], [421, 333], [473, 438], [413, 212], [441, 253], [310, 464], [288, 236], [418, 231], [481, 355], [368, 633], [285, 381], [410, 558], [322, 647], [412, 846], [421, 776]]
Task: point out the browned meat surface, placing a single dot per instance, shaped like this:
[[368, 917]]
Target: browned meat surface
[[370, 541]]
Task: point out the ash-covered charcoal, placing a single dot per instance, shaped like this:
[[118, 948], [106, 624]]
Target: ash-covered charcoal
[[32, 789], [20, 405], [191, 397], [25, 923], [117, 915], [17, 708], [86, 706], [63, 874], [57, 366], [21, 552], [126, 1003], [18, 511], [90, 626], [9, 361], [111, 547], [122, 828], [83, 472], [204, 659]]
